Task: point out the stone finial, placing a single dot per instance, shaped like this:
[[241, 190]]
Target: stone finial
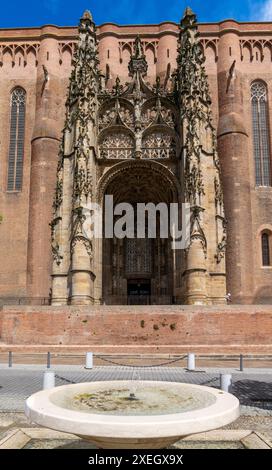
[[138, 48], [86, 24], [188, 12], [87, 15], [138, 59], [189, 18]]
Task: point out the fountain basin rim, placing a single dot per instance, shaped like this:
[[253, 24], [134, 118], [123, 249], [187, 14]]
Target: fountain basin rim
[[41, 410]]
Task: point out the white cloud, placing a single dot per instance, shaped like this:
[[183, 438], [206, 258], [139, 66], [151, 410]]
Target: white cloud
[[266, 11]]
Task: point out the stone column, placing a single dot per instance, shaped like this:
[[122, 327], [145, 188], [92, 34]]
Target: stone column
[[234, 157], [72, 245], [201, 172], [61, 230], [44, 157]]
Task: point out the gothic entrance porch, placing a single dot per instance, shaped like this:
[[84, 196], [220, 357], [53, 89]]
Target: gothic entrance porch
[[139, 271], [139, 142]]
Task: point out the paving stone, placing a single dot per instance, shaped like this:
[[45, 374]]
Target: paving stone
[[254, 442], [207, 445], [266, 437], [15, 439], [219, 436], [44, 433], [5, 421], [56, 444]]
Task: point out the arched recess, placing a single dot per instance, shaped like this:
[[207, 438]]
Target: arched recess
[[247, 53], [266, 248], [150, 57], [16, 139], [115, 112], [267, 51], [138, 270], [261, 133]]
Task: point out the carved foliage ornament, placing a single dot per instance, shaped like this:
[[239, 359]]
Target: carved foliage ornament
[[57, 257], [78, 236]]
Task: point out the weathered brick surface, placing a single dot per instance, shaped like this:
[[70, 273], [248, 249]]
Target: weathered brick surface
[[138, 329]]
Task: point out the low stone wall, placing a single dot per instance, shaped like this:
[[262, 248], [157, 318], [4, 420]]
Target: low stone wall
[[138, 329]]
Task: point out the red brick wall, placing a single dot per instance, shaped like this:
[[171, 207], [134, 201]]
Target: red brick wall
[[252, 62], [140, 329]]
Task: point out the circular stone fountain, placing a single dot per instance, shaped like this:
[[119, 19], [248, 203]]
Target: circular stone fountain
[[116, 415]]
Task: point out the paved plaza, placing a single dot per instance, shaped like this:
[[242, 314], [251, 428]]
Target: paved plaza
[[253, 387]]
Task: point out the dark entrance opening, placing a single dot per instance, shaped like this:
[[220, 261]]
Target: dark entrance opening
[[139, 292]]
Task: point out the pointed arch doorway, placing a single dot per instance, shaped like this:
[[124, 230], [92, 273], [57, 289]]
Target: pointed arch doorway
[[139, 271]]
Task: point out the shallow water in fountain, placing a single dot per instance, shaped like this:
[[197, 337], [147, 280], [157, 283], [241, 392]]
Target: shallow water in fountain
[[148, 400]]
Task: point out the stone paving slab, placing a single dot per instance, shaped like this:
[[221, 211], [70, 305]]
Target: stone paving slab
[[220, 436], [254, 442], [14, 439], [47, 439], [14, 436]]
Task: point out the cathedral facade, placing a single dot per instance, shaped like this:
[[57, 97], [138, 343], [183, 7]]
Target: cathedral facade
[[165, 114]]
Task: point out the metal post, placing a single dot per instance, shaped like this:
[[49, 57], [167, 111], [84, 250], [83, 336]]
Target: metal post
[[241, 362], [48, 360], [225, 382], [48, 380], [191, 361], [10, 359], [89, 360]]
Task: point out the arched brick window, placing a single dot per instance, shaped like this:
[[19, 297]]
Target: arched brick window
[[17, 137], [261, 135], [266, 248]]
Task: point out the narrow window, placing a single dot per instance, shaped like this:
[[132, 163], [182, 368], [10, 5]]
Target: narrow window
[[261, 135], [168, 53], [108, 53], [17, 137], [265, 249], [107, 72]]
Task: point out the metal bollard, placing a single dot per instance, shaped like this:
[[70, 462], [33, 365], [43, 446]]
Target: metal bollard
[[48, 380], [89, 360], [10, 359], [241, 362], [191, 361], [225, 382], [48, 360]]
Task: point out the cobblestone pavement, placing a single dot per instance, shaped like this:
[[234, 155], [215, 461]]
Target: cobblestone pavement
[[253, 386]]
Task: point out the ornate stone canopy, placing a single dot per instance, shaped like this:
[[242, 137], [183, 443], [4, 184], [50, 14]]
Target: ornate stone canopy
[[139, 143]]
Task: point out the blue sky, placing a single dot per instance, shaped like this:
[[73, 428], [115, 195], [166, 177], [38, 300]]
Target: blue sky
[[66, 12]]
